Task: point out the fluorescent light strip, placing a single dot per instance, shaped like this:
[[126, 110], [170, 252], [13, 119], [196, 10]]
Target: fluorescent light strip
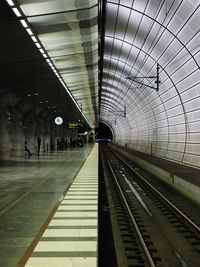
[[72, 98], [16, 11], [34, 39], [69, 93], [29, 31], [10, 2], [24, 24], [41, 50], [38, 45]]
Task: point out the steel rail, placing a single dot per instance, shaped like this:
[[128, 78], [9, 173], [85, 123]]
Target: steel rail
[[163, 197], [142, 242]]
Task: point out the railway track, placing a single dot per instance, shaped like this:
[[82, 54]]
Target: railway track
[[154, 231]]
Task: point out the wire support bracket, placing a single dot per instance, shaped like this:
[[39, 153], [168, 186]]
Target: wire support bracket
[[157, 81], [120, 113]]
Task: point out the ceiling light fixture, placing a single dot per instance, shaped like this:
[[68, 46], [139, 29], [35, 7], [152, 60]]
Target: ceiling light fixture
[[44, 55], [10, 2], [29, 31], [24, 24], [41, 50], [34, 39], [38, 45], [16, 11]]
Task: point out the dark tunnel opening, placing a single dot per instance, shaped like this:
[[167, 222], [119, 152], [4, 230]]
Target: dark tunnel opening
[[103, 132]]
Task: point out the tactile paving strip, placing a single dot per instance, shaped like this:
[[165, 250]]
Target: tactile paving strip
[[71, 237]]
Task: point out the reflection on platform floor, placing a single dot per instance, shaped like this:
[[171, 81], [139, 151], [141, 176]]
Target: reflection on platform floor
[[30, 189]]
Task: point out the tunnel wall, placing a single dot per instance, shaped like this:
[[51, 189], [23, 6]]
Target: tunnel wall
[[164, 125], [163, 122]]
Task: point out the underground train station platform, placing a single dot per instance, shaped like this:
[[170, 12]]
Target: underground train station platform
[[46, 215]]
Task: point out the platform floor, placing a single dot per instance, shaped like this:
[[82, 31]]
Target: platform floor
[[70, 238], [29, 192]]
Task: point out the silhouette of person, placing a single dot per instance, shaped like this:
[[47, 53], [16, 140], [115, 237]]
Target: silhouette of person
[[38, 145], [27, 148]]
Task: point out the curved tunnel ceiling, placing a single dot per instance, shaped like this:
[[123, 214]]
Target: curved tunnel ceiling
[[150, 42]]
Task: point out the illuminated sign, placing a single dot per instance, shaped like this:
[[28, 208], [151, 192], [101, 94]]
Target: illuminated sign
[[73, 125]]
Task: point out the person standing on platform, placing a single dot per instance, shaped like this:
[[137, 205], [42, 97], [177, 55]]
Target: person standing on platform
[[38, 145], [26, 148]]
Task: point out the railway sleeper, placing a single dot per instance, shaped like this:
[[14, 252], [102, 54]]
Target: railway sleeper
[[175, 221], [131, 255], [142, 227], [146, 236], [128, 239], [124, 224], [135, 265], [152, 250], [133, 248], [125, 229], [148, 243], [126, 232], [127, 235], [164, 209], [136, 262], [168, 214], [195, 243], [122, 219], [156, 259]]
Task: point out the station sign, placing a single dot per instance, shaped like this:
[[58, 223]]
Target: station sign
[[73, 125]]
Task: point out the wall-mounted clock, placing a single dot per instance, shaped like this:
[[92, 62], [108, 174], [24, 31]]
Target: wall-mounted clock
[[58, 120]]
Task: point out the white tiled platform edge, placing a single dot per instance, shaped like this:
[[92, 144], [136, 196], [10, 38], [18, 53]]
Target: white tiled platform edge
[[70, 239]]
